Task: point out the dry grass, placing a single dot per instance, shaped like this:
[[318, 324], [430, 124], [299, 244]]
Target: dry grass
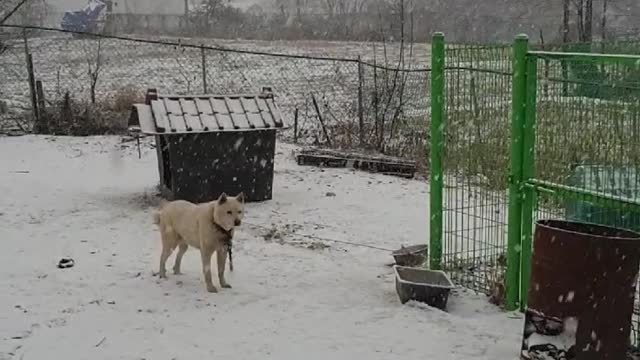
[[125, 97], [72, 117]]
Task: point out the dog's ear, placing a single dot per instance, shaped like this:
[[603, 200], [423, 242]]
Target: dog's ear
[[240, 197], [222, 199]]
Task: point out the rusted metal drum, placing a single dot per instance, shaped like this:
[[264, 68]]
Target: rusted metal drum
[[581, 291]]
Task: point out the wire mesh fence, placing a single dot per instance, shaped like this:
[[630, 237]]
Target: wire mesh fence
[[587, 113], [587, 144], [341, 102], [476, 153]]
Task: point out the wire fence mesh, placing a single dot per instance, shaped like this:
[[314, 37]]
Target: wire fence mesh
[[585, 111], [328, 99], [588, 137], [476, 153]]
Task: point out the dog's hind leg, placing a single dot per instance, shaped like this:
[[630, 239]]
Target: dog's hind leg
[[222, 262], [166, 252], [206, 253], [182, 248], [168, 244]]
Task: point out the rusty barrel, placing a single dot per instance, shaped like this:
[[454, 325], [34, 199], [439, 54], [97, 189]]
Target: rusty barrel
[[581, 291]]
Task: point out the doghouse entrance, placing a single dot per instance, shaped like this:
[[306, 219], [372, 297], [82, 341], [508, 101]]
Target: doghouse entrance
[[164, 163]]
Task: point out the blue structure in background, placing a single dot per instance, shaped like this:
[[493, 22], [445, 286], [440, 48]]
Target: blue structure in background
[[85, 20]]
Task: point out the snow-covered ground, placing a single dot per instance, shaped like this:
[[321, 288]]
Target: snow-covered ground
[[92, 198]]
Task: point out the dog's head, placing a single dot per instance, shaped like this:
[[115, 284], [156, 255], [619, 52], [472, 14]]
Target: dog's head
[[229, 211]]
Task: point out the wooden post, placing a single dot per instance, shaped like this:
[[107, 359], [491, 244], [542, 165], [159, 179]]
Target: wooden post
[[41, 103], [565, 40], [360, 105], [31, 77], [324, 128], [295, 126], [186, 16], [204, 69]]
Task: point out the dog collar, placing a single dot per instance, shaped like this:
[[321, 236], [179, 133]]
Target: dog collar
[[227, 233]]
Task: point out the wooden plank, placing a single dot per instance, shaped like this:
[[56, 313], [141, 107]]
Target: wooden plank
[[252, 122], [204, 106], [145, 118], [160, 115], [177, 123], [249, 105], [262, 104], [188, 107], [193, 123], [256, 121], [235, 105], [172, 106], [218, 105], [240, 121], [273, 110], [174, 113], [225, 121], [304, 159], [209, 122], [265, 113], [233, 120], [383, 167]]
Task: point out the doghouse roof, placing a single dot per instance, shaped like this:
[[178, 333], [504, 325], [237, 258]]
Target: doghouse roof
[[175, 114]]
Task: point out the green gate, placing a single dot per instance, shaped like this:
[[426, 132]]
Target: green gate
[[574, 151]]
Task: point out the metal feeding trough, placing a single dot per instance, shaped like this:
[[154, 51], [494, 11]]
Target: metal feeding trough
[[427, 286], [411, 255]]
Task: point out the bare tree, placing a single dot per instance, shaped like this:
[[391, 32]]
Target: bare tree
[[603, 23], [565, 20], [584, 15], [588, 21], [94, 66], [388, 94]]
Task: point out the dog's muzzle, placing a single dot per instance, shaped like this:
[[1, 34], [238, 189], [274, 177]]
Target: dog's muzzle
[[237, 222]]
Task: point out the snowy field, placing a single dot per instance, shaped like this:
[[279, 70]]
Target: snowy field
[[292, 297], [63, 64]]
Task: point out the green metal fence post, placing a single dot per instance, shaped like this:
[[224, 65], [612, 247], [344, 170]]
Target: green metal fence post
[[528, 169], [514, 240], [436, 145]]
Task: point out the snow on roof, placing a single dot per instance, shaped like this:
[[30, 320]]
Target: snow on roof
[[207, 113]]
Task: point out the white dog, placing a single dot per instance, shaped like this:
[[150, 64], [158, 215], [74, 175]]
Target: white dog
[[207, 226]]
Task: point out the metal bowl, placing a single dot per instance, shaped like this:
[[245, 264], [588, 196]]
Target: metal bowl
[[411, 255]]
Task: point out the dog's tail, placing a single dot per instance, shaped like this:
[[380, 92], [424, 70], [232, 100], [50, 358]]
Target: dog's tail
[[156, 214]]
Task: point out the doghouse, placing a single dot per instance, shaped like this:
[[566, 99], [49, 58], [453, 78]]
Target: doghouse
[[210, 144]]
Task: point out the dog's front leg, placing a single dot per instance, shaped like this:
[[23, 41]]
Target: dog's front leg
[[222, 262], [206, 254]]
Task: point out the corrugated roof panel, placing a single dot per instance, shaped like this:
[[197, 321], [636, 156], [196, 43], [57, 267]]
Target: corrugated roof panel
[[265, 113], [160, 116], [268, 120], [177, 123], [262, 104], [189, 107], [273, 110], [250, 105], [204, 106], [240, 121], [192, 114], [173, 106], [235, 106], [219, 106], [209, 122], [145, 118], [225, 121], [256, 121], [193, 122]]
